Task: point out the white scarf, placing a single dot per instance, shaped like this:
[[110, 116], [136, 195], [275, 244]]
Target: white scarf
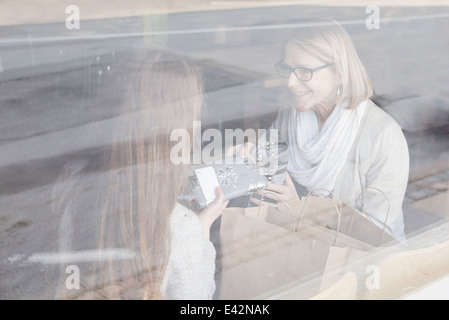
[[316, 157]]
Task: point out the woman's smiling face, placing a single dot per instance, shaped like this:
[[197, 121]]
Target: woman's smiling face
[[320, 90]]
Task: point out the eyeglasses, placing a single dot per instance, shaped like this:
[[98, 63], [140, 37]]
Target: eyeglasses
[[301, 73]]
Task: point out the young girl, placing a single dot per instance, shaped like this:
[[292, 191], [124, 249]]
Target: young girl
[[155, 92]]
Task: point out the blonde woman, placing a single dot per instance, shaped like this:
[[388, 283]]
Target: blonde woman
[[155, 91], [339, 139]]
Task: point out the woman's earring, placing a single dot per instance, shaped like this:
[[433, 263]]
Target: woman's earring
[[339, 91]]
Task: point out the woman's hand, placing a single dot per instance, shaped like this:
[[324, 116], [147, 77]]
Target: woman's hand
[[277, 192], [213, 210]]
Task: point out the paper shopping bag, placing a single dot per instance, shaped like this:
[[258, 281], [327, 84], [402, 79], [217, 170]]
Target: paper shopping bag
[[338, 259], [305, 228], [291, 215], [265, 248], [259, 257], [320, 210], [343, 249]]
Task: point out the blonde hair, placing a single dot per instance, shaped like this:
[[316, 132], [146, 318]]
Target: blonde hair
[[156, 91], [328, 41]]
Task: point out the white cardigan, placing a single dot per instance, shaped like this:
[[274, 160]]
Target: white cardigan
[[191, 265], [378, 158]]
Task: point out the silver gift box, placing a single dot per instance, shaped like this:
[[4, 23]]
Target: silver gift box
[[235, 180]]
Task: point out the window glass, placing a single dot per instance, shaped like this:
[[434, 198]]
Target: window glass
[[118, 120]]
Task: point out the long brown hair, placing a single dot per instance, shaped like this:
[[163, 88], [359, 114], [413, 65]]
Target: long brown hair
[[156, 91]]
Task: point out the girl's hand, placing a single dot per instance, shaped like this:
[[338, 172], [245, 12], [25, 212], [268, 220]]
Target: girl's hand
[[286, 192], [213, 210]]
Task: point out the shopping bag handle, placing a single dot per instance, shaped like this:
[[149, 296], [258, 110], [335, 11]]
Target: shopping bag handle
[[277, 196], [338, 209], [279, 199], [386, 216]]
